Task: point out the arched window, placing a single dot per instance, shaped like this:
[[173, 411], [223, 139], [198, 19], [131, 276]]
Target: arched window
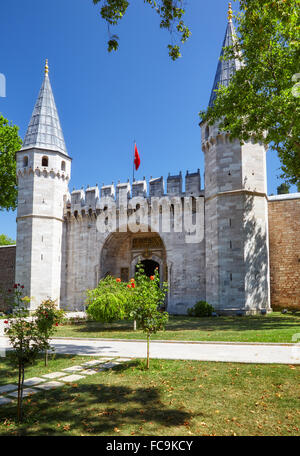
[[63, 166], [25, 162], [45, 161], [207, 132]]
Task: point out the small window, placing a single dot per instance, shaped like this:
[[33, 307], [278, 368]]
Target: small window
[[63, 166], [25, 162], [45, 161], [207, 132]]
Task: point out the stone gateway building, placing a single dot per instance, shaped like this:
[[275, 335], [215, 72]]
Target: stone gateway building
[[225, 241]]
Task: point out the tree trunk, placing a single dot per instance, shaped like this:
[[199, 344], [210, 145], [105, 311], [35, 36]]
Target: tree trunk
[[20, 391], [134, 325], [46, 357], [148, 351]]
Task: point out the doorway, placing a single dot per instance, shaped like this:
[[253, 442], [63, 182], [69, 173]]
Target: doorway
[[149, 267]]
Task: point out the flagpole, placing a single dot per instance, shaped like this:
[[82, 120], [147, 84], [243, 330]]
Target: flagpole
[[133, 162]]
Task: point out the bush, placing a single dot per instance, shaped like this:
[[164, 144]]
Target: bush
[[201, 309], [107, 302]]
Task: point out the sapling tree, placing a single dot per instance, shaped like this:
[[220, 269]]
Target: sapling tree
[[147, 301], [48, 317], [25, 339]]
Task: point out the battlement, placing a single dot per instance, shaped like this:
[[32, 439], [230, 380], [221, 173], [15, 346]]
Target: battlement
[[89, 200]]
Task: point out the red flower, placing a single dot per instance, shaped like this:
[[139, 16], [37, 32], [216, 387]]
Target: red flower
[[133, 285], [6, 321], [15, 285], [151, 277], [56, 324], [129, 286], [118, 280], [22, 286], [131, 280]]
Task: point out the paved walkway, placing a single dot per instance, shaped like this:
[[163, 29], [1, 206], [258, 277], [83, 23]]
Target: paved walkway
[[202, 351], [9, 392]]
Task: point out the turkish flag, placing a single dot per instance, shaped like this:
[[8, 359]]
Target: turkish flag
[[137, 160]]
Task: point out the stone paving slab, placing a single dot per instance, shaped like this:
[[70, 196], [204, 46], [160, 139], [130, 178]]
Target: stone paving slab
[[50, 385], [26, 392], [124, 360], [54, 375], [5, 400], [72, 378], [90, 371], [109, 365], [7, 388], [33, 381], [96, 362], [73, 369]]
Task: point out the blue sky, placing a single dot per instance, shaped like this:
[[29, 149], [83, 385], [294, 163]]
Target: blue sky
[[106, 100]]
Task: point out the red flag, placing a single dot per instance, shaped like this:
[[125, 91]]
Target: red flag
[[137, 160]]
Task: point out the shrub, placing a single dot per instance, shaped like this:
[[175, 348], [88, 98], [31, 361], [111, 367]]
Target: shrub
[[201, 309], [48, 316], [107, 302]]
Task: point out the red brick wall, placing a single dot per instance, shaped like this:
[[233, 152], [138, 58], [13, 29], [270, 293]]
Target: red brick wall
[[284, 231], [7, 272]]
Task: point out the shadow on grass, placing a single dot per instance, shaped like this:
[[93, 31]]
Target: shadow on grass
[[184, 323], [96, 408]]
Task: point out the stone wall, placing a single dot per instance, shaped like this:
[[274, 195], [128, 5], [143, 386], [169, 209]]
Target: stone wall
[[284, 231], [7, 271]]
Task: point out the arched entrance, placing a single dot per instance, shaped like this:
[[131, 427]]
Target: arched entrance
[[121, 253], [149, 267]]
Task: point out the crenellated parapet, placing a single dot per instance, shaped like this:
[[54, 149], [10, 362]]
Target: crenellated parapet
[[93, 199]]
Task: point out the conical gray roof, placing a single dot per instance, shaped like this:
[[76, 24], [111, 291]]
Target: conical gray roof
[[44, 130], [226, 68]]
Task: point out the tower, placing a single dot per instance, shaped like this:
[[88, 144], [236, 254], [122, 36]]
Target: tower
[[236, 212], [43, 172]]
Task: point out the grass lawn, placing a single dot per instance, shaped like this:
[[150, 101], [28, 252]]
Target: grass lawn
[[275, 327], [180, 398]]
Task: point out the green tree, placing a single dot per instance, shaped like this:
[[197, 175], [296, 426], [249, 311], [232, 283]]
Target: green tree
[[170, 13], [25, 339], [5, 240], [262, 99], [147, 302], [107, 302], [10, 143], [48, 317], [283, 188]]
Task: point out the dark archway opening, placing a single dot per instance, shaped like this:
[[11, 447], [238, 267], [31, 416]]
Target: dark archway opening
[[149, 267]]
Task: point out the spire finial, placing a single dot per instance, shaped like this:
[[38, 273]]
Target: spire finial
[[46, 67], [229, 16]]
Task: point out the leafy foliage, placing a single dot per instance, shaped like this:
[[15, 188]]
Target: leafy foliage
[[170, 12], [107, 302], [148, 301], [48, 316], [26, 340], [201, 309], [283, 188], [10, 143], [262, 99], [5, 240]]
